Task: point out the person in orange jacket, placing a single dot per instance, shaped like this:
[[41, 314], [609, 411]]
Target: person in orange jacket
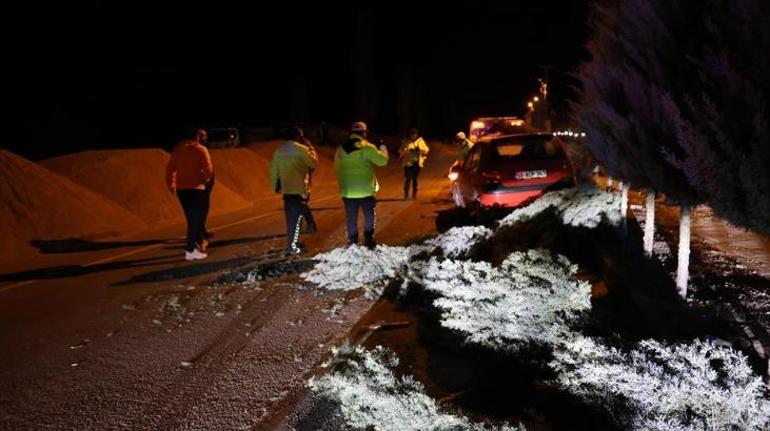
[[188, 171], [203, 137]]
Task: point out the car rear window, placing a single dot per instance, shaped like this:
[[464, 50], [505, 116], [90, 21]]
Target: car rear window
[[527, 148]]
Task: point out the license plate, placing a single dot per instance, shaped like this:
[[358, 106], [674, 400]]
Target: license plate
[[528, 175]]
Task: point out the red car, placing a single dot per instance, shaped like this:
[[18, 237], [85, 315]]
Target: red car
[[510, 171]]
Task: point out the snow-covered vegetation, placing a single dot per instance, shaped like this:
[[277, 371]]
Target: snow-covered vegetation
[[456, 242], [534, 299], [654, 386], [531, 297], [370, 394], [579, 207], [354, 267], [357, 267]]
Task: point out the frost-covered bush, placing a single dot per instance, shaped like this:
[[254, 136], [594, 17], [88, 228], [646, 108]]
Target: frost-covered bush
[[354, 267], [579, 207], [696, 386], [371, 395], [456, 242], [531, 297]]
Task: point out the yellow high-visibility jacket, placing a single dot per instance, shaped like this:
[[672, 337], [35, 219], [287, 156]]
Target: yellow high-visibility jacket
[[290, 166], [414, 152]]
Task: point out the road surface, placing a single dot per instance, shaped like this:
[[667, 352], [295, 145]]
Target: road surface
[[126, 335]]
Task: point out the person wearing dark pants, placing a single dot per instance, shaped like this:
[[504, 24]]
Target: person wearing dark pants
[[188, 171], [352, 207], [294, 208], [194, 203], [410, 178], [413, 154], [289, 169], [307, 215], [206, 207], [354, 163], [203, 137]]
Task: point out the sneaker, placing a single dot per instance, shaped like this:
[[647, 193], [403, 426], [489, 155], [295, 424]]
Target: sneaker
[[195, 255]]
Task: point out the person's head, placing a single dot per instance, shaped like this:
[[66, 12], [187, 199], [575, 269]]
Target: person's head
[[460, 136], [202, 136], [297, 134], [359, 127], [413, 134]]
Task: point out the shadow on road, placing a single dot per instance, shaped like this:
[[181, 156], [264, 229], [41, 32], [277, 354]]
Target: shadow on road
[[197, 269], [68, 271], [235, 241], [74, 245]]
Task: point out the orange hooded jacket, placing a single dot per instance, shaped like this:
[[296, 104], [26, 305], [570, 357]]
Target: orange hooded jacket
[[189, 167]]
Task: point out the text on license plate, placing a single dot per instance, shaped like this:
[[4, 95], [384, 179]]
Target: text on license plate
[[526, 175]]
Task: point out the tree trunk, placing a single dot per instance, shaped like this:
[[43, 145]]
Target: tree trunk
[[623, 199], [649, 225], [683, 265]]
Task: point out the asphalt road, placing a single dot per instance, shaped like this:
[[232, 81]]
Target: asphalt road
[[126, 335]]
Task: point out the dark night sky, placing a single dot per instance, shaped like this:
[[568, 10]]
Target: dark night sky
[[112, 74]]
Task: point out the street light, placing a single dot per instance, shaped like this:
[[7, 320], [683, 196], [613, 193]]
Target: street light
[[531, 105], [536, 99]]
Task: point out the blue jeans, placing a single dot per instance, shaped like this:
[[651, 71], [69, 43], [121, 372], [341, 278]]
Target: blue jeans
[[352, 206]]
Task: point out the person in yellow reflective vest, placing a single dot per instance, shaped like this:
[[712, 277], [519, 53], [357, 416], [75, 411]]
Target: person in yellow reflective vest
[[354, 164], [289, 169], [412, 153]]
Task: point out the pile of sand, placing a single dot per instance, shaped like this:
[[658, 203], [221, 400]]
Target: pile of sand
[[38, 204], [243, 171], [135, 179]]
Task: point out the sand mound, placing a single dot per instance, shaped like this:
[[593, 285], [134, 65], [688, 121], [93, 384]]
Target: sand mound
[[135, 179], [40, 205], [243, 171]]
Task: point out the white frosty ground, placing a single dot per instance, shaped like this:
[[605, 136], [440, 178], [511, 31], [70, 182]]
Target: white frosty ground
[[371, 395], [579, 207]]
